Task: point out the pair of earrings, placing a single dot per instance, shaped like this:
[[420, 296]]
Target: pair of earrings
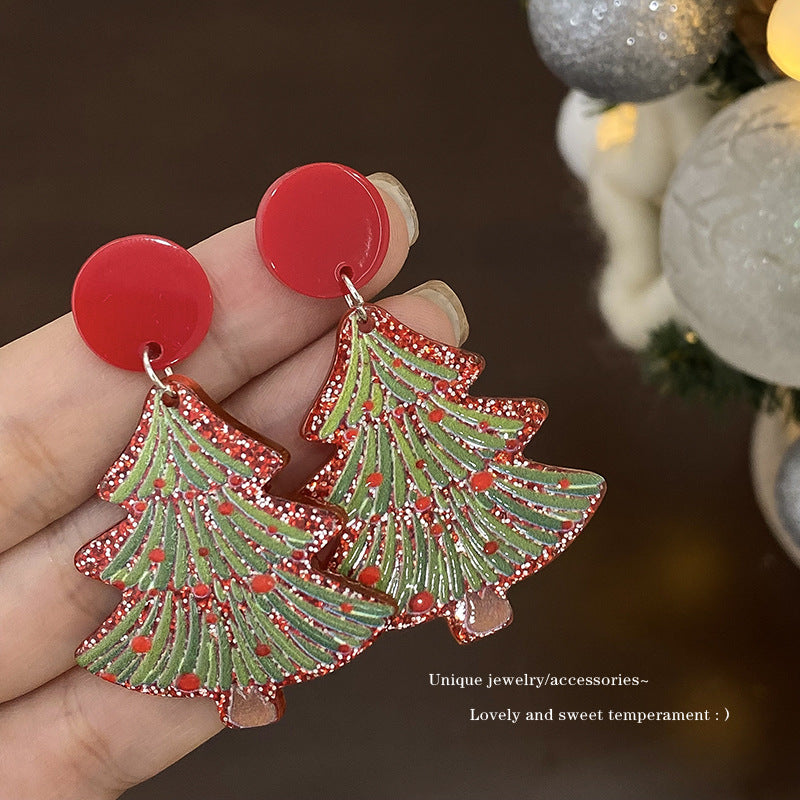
[[426, 509]]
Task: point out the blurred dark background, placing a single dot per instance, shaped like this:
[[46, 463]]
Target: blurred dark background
[[173, 118]]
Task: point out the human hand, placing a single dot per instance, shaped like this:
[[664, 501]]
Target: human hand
[[64, 416]]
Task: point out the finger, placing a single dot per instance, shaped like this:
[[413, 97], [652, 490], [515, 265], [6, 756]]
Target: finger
[[65, 413], [51, 607], [46, 606], [81, 738]]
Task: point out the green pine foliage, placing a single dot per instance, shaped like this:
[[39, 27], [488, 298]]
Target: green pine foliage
[[675, 361], [437, 498], [269, 637], [215, 574], [183, 478]]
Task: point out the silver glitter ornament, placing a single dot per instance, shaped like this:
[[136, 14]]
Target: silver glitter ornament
[[629, 50], [787, 492], [730, 234], [775, 469]]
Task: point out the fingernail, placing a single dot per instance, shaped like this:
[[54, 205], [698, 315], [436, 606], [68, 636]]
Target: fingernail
[[439, 293], [389, 184]]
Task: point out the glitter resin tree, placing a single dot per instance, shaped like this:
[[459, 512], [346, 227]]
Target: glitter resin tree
[[444, 511], [220, 595]]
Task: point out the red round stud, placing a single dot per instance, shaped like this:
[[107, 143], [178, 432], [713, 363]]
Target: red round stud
[[317, 220], [141, 644], [261, 584], [481, 481], [369, 576], [423, 503], [421, 602], [201, 590], [142, 291], [188, 682]]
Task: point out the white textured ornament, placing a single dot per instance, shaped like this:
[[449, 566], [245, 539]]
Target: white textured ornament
[[576, 131], [775, 471], [626, 185], [629, 50], [730, 234]]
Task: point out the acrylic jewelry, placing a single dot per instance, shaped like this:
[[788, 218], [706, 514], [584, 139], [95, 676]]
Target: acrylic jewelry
[[444, 512], [220, 597]]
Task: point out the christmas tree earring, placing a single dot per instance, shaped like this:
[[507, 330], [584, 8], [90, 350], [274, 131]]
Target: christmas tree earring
[[445, 514], [220, 598]]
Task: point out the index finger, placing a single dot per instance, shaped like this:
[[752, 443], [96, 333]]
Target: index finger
[[65, 414]]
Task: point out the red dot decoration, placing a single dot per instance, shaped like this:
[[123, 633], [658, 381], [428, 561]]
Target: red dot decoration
[[369, 576], [423, 503], [139, 292], [188, 682], [201, 590], [346, 607], [490, 548], [420, 603], [437, 415], [318, 219], [157, 555], [262, 650], [374, 479], [262, 584], [141, 644], [226, 508], [481, 481]]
